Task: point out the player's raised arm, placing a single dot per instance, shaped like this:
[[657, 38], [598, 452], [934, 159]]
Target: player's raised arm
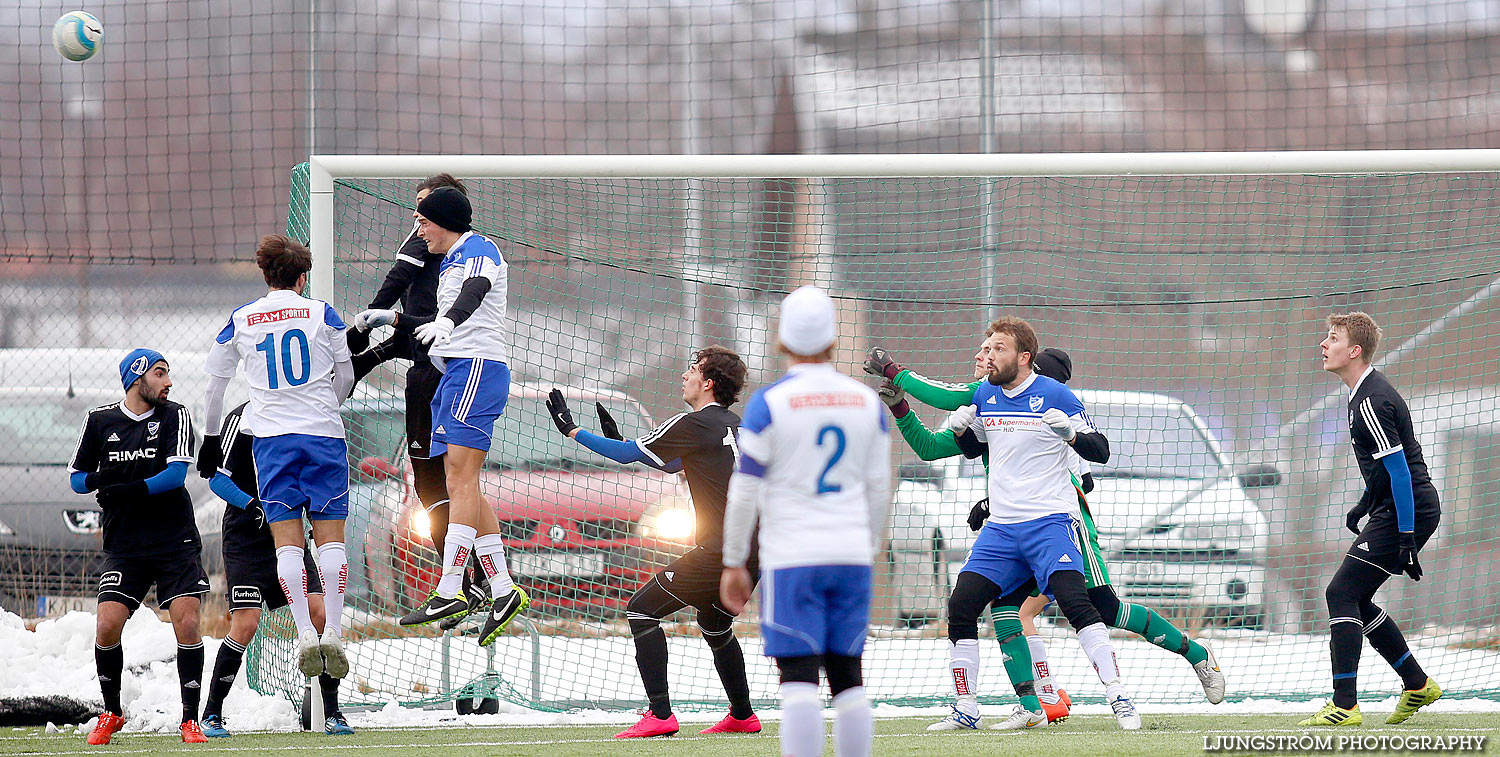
[[938, 394], [618, 450]]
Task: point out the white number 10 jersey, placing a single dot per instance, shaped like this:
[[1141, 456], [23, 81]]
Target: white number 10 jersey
[[288, 345]]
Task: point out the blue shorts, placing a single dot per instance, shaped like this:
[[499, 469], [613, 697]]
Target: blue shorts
[[819, 609], [1012, 553], [297, 472], [470, 397]]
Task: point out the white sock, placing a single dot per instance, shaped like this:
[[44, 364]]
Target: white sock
[[853, 723], [456, 548], [802, 732], [1045, 690], [963, 659], [333, 568], [1095, 641], [293, 577], [490, 549]]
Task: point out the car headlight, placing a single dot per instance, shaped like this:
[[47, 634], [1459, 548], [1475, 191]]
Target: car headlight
[[670, 518], [421, 523]]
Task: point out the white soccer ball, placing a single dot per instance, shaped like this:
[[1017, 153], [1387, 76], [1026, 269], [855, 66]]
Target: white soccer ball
[[77, 35]]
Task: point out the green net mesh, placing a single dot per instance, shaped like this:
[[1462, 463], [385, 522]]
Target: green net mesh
[[1191, 306]]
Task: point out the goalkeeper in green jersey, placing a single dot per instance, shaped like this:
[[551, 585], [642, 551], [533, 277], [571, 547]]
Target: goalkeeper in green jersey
[[955, 438]]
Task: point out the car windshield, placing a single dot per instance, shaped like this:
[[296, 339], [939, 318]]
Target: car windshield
[[526, 439], [1152, 441], [42, 428]]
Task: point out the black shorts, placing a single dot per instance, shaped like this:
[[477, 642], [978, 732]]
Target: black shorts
[[421, 385], [1379, 542], [689, 581], [250, 578], [127, 579]]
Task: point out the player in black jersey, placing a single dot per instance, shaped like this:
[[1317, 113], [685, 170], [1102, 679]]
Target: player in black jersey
[[413, 281], [250, 579], [1403, 508], [134, 455], [700, 443]]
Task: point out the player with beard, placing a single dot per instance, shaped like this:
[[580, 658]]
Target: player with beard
[[953, 438], [1030, 425], [134, 456]]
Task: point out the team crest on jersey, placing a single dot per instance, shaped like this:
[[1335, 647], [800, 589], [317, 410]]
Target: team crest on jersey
[[151, 428], [1036, 403]]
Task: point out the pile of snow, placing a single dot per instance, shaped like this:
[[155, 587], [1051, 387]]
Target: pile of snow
[[58, 658]]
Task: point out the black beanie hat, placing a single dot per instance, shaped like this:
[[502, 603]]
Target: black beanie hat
[[448, 208], [1054, 364]]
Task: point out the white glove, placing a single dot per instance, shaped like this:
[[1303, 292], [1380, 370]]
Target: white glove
[[374, 319], [960, 419], [1060, 424], [436, 333]]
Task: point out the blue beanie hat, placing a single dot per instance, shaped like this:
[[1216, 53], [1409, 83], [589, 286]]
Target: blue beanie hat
[[137, 363]]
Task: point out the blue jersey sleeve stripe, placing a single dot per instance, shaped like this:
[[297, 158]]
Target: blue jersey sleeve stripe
[[331, 317], [751, 467], [227, 333], [757, 413]]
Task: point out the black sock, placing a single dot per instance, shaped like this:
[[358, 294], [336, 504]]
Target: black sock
[[226, 668], [189, 674], [109, 662], [730, 662], [1385, 636], [651, 658], [1345, 643], [330, 687]]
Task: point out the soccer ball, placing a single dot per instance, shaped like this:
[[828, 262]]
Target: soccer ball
[[77, 35]]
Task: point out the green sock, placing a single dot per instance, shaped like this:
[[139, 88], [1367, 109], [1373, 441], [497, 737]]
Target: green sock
[[1017, 656], [1144, 622]]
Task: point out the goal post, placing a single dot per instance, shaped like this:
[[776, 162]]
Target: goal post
[[1188, 288]]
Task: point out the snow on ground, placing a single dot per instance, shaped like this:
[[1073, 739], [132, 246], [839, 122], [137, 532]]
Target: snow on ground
[[58, 658]]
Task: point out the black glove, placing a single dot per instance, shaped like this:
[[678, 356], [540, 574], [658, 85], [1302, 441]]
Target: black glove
[[561, 416], [120, 494], [878, 362], [607, 425], [210, 456], [1352, 519], [894, 398], [96, 481], [1409, 564], [979, 514], [359, 341]]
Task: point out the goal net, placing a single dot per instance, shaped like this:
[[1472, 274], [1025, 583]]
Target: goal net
[[1189, 291]]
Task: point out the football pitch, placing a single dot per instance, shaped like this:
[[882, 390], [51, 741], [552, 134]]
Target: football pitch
[[1080, 735]]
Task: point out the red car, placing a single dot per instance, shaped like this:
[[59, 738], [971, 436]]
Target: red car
[[581, 532]]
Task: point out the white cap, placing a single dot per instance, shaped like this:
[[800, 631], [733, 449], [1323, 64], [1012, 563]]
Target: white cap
[[807, 321]]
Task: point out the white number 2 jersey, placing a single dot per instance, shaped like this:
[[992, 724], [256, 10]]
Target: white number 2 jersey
[[288, 345], [820, 443]]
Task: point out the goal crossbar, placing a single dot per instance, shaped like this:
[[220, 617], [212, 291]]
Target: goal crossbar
[[324, 170]]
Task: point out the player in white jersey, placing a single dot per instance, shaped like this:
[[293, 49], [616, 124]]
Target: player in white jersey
[[815, 471], [1031, 424], [296, 359], [467, 342]]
